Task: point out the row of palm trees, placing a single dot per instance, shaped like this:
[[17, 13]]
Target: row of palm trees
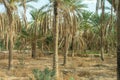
[[11, 29], [61, 25]]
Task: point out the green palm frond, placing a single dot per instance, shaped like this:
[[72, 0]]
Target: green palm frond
[[86, 15], [95, 19]]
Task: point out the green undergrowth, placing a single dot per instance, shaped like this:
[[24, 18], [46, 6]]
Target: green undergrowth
[[46, 74]]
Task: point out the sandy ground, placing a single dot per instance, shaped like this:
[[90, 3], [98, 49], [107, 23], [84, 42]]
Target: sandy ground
[[80, 68]]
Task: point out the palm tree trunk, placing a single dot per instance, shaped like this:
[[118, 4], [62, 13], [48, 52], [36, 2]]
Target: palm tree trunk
[[66, 43], [34, 42], [55, 57], [102, 32], [10, 45], [118, 42], [34, 49], [73, 47], [66, 50], [74, 25], [10, 48], [6, 42]]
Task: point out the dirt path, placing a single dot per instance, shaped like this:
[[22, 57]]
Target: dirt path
[[80, 68]]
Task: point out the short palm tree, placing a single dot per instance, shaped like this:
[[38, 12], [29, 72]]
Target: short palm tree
[[37, 27]]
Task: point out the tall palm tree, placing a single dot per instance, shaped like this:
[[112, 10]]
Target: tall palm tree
[[118, 42], [116, 6], [102, 27], [72, 9], [55, 58], [9, 7], [102, 33], [76, 6], [107, 31], [69, 12]]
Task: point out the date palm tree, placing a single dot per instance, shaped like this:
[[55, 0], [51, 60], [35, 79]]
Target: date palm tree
[[108, 32], [56, 28], [102, 33], [116, 6], [69, 12], [118, 42], [9, 7], [102, 27], [72, 12], [35, 17], [38, 27]]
